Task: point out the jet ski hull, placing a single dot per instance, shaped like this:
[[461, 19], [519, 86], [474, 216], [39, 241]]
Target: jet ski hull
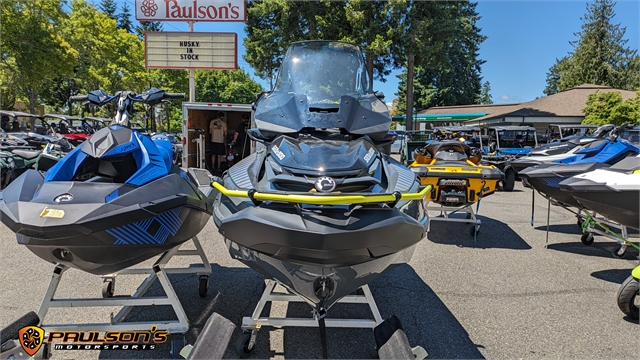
[[328, 238], [621, 207], [546, 178], [307, 280], [333, 243], [102, 228], [459, 184], [613, 192]]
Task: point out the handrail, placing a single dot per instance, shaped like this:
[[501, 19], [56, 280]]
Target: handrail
[[329, 199]]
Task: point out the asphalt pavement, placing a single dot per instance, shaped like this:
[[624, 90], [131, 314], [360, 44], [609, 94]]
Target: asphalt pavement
[[506, 296]]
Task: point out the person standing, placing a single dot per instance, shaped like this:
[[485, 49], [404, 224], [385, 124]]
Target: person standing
[[240, 137], [218, 132]]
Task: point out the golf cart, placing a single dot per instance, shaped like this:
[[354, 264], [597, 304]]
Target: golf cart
[[413, 140], [96, 123], [560, 132], [64, 125], [505, 143], [33, 129]]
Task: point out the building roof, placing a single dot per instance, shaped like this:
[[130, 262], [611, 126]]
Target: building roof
[[567, 103]]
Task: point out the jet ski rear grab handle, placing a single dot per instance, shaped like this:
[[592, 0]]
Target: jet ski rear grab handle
[[323, 199]]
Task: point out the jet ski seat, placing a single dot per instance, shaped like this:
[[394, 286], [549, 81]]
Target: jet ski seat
[[116, 153], [63, 128], [26, 154], [448, 150], [626, 165]]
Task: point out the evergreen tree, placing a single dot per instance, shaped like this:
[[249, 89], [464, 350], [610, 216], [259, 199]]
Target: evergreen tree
[[273, 24], [124, 19], [147, 26], [485, 94], [600, 54], [447, 68], [109, 7]]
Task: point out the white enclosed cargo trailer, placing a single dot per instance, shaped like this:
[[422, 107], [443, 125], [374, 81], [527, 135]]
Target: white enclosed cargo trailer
[[195, 126]]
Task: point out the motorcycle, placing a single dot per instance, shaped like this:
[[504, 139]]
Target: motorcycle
[[232, 155]]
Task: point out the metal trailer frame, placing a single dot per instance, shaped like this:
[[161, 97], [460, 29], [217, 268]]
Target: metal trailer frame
[[589, 228], [199, 141], [252, 324], [588, 222], [446, 211], [157, 271]]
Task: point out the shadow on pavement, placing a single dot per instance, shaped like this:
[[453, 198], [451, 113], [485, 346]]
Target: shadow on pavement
[[598, 248], [493, 234], [561, 228], [234, 293], [617, 276]]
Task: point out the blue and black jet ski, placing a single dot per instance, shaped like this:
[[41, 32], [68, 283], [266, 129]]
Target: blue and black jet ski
[[114, 201], [546, 177]]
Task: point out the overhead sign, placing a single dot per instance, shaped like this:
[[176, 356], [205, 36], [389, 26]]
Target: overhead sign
[[191, 50], [191, 10]]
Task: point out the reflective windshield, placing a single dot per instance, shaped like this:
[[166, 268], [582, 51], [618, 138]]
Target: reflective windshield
[[632, 136], [323, 71]]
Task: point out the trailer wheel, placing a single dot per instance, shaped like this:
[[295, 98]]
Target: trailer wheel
[[243, 346], [587, 238], [509, 180], [627, 293]]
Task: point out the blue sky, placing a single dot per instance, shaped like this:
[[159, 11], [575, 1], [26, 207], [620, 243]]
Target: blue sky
[[524, 40]]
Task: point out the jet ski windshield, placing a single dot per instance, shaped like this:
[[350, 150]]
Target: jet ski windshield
[[631, 135], [323, 71], [322, 85]]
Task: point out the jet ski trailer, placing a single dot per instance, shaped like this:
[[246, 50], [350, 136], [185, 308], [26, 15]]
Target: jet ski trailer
[[613, 193], [319, 208], [111, 203]]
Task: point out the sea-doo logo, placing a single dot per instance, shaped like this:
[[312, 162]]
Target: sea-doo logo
[[63, 198], [278, 152], [369, 154], [325, 184]]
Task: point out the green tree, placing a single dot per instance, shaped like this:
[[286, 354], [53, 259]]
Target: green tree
[[110, 8], [600, 54], [269, 31], [609, 108], [371, 25], [124, 19], [485, 94], [229, 86], [108, 58], [34, 53], [273, 24], [446, 67], [147, 26]]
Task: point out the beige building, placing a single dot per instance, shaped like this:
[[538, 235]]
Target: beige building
[[564, 107]]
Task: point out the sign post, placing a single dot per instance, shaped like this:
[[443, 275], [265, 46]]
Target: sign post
[[192, 75]]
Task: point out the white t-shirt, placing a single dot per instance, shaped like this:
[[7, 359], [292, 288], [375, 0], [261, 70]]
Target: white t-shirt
[[217, 129]]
